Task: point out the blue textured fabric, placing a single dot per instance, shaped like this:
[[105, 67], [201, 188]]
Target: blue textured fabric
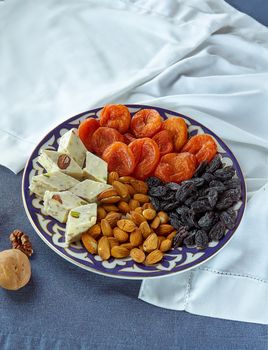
[[64, 307]]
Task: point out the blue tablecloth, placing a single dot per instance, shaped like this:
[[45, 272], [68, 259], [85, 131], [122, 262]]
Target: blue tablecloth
[[88, 311]]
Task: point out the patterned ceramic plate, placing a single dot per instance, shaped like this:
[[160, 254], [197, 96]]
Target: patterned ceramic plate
[[52, 232]]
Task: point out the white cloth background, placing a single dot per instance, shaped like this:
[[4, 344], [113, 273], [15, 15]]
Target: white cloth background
[[202, 58]]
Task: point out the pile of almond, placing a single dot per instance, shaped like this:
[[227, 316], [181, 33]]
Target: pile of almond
[[128, 224]]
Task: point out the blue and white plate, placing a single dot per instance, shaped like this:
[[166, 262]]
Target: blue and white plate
[[52, 232]]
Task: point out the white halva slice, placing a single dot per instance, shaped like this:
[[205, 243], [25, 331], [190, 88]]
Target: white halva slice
[[96, 169], [58, 161], [89, 189], [71, 144], [52, 181], [80, 219], [59, 204]]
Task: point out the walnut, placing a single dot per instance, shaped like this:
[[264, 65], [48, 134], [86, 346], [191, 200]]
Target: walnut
[[22, 242]]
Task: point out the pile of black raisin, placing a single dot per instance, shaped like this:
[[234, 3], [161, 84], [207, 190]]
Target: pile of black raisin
[[200, 209]]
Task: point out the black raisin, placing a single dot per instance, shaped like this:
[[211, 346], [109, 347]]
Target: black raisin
[[224, 203], [212, 197], [190, 239], [197, 181], [214, 165], [159, 191], [218, 185], [173, 186], [225, 173], [190, 200], [201, 206], [217, 231], [186, 190], [200, 169], [153, 181], [233, 183], [208, 177], [170, 206], [228, 218], [207, 220], [181, 209], [170, 196], [201, 239], [156, 203], [179, 237]]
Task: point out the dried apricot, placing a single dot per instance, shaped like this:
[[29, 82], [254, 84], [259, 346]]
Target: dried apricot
[[203, 146], [176, 167], [164, 142], [104, 137], [86, 129], [116, 117], [146, 153], [146, 123], [119, 158], [178, 129]]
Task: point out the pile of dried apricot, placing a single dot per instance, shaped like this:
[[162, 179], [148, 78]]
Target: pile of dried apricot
[[144, 144]]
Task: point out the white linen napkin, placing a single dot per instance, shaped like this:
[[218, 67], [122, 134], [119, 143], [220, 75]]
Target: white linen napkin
[[201, 58]]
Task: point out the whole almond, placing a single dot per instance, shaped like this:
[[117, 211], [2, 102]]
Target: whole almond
[[101, 213], [164, 229], [160, 240], [155, 223], [137, 255], [165, 245], [154, 257], [119, 252], [104, 248], [127, 245], [95, 231], [133, 204], [63, 161], [131, 190], [113, 176], [121, 189], [150, 243], [110, 207], [106, 228], [110, 200], [126, 225], [142, 198], [147, 206], [120, 235], [112, 217], [90, 243], [136, 238], [113, 242], [107, 193], [149, 214], [123, 207], [145, 229], [172, 235], [137, 218], [139, 210], [139, 186], [164, 218], [126, 179]]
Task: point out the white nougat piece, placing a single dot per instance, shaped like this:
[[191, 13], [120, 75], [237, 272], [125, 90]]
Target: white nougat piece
[[71, 144], [96, 169], [58, 161], [80, 219], [59, 204], [52, 181], [89, 189]]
